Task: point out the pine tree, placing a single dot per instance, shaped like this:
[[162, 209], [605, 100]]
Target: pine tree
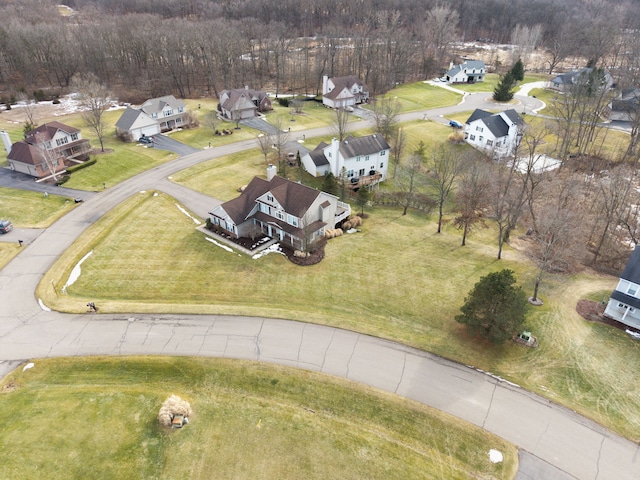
[[362, 198], [495, 308], [518, 71], [330, 184], [504, 90]]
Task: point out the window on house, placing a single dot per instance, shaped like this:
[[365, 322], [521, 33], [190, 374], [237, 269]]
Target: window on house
[[632, 290], [489, 143], [631, 309], [178, 120], [74, 136], [154, 115], [62, 141], [479, 129], [180, 109], [383, 153], [357, 159], [264, 208], [472, 137], [361, 171], [480, 138], [279, 214], [381, 165], [329, 154], [168, 113], [270, 198], [349, 173], [291, 220], [366, 158]]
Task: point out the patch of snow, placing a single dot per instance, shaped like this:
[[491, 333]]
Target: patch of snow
[[275, 248], [28, 366], [228, 249], [75, 273], [495, 456], [500, 379], [541, 163], [633, 334], [43, 306], [195, 220], [143, 191], [155, 194], [352, 230]]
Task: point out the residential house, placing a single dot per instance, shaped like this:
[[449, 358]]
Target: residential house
[[625, 107], [152, 117], [243, 103], [340, 92], [624, 303], [494, 133], [363, 160], [565, 82], [288, 211], [470, 71], [48, 149]]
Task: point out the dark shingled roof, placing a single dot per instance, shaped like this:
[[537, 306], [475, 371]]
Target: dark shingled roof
[[317, 155], [631, 271], [477, 113], [494, 121], [352, 147], [340, 83], [23, 152], [294, 197], [49, 130]]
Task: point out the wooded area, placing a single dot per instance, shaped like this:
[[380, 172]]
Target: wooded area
[[143, 48]]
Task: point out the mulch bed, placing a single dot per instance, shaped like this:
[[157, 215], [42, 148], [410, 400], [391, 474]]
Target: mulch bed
[[594, 312]]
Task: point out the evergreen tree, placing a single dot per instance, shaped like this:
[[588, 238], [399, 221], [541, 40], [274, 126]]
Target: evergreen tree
[[518, 71], [495, 308], [330, 184], [504, 90]]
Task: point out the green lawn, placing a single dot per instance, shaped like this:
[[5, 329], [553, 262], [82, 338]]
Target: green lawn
[[250, 420], [7, 252], [26, 209], [421, 96], [394, 280]]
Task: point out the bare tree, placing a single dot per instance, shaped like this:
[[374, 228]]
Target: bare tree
[[398, 143], [385, 116], [211, 121], [340, 124], [472, 197], [410, 180], [49, 155], [29, 109], [446, 167], [526, 39], [440, 27], [95, 99], [265, 143], [280, 138]]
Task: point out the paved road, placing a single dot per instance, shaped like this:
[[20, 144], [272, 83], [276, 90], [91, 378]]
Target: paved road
[[560, 443]]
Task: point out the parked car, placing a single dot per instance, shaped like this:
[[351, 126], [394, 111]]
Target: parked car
[[146, 140], [5, 226], [455, 124]]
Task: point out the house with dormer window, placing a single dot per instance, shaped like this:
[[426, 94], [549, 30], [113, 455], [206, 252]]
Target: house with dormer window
[[363, 160], [243, 103], [470, 71], [154, 116], [49, 149], [497, 134], [624, 303], [341, 92], [292, 213]]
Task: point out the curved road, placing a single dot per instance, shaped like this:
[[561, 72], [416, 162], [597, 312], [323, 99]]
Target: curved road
[[560, 443]]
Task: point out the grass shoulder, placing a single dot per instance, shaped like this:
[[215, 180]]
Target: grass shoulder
[[96, 418]]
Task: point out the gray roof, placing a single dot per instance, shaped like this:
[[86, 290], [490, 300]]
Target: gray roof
[[494, 121], [317, 155], [628, 101], [156, 105], [631, 271], [128, 118], [340, 83], [353, 147], [477, 64]]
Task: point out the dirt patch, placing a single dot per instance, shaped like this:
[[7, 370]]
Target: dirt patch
[[594, 312], [9, 387]]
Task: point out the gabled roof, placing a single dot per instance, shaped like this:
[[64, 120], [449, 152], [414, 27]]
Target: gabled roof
[[317, 155], [130, 116], [340, 83], [155, 105], [627, 101], [294, 197], [49, 130], [477, 64], [240, 99], [353, 147], [631, 271], [495, 121]]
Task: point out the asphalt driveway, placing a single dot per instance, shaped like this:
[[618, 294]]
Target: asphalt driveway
[[164, 142]]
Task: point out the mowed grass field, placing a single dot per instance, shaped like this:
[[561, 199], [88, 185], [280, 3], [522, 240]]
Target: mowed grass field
[[395, 279], [249, 421]]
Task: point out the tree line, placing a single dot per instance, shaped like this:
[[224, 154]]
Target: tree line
[[142, 48]]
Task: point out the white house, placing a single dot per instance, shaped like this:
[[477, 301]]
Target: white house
[[471, 71], [294, 214], [154, 116], [365, 160], [340, 92], [494, 133], [565, 82], [624, 303]]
